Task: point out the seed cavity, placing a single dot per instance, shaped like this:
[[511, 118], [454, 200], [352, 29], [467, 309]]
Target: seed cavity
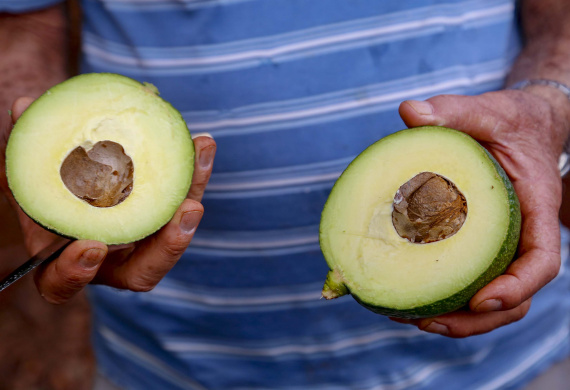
[[102, 176], [428, 208]]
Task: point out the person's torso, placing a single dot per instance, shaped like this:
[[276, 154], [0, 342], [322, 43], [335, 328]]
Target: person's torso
[[292, 91]]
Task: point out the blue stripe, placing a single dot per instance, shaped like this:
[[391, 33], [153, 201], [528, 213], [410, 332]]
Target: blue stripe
[[228, 269], [21, 6], [272, 58], [206, 120], [386, 23], [159, 5], [272, 82], [231, 21]]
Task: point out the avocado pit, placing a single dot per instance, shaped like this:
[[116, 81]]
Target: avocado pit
[[101, 176], [428, 208]]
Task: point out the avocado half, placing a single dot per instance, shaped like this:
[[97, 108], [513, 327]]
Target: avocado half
[[418, 223], [100, 157]]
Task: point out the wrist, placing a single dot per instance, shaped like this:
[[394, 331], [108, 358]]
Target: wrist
[[557, 98], [555, 94]]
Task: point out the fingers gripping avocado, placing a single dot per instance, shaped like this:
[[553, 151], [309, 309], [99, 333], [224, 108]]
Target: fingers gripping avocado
[[418, 223]]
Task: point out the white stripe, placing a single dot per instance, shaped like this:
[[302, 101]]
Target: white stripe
[[299, 349], [252, 253], [174, 2], [265, 297], [300, 46], [149, 1], [147, 361], [144, 1], [257, 239], [162, 5], [550, 344], [295, 174], [279, 191], [255, 244], [301, 180], [296, 303], [350, 105]]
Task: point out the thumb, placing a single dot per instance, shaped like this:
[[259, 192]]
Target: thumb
[[78, 264], [474, 115], [19, 106]]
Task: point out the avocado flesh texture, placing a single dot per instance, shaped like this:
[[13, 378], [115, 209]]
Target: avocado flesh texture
[[85, 110], [387, 273]]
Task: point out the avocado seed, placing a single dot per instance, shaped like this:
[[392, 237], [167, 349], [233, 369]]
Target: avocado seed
[[101, 176], [428, 208]]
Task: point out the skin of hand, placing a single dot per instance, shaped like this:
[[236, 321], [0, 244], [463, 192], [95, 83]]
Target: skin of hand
[[525, 132], [138, 266]]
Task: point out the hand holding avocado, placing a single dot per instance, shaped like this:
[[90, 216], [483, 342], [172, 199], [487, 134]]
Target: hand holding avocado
[[418, 223], [138, 266], [525, 132]]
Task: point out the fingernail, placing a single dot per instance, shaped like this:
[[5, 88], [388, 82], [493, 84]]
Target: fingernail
[[92, 257], [489, 305], [422, 108], [436, 327], [202, 135], [206, 156], [189, 221]]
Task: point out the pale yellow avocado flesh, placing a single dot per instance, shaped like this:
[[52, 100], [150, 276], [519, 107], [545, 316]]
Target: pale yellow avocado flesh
[[366, 253], [80, 112]]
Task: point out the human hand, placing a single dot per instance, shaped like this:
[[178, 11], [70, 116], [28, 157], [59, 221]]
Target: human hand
[[525, 132], [138, 266]]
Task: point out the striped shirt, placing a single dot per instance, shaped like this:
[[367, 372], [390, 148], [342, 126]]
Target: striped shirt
[[292, 91]]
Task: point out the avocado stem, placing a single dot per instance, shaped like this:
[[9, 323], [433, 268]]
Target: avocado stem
[[334, 286]]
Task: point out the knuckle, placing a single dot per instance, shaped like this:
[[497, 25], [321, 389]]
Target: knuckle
[[175, 248], [459, 333], [75, 281], [141, 284], [517, 292], [523, 309], [200, 180], [55, 299], [552, 270], [197, 189]]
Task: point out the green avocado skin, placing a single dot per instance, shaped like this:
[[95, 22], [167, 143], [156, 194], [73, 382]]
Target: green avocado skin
[[499, 265]]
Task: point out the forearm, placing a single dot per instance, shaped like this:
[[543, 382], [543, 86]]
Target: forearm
[[546, 52], [33, 50], [33, 57]]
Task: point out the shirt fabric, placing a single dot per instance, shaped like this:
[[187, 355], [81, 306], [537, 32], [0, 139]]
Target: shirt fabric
[[292, 91]]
